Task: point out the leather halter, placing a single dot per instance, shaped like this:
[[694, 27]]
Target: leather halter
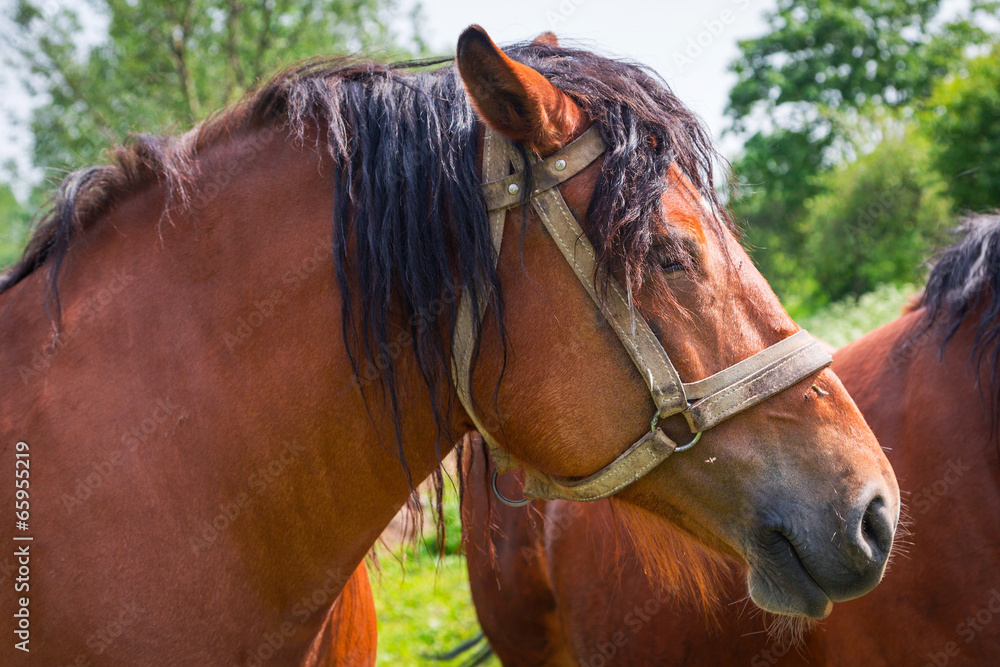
[[704, 403]]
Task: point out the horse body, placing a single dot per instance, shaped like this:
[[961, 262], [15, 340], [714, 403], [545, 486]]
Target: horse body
[[230, 413], [929, 403], [235, 476]]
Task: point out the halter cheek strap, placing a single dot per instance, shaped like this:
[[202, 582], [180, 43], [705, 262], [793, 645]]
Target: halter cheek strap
[[704, 403]]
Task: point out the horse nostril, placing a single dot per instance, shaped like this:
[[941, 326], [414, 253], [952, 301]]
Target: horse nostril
[[876, 530]]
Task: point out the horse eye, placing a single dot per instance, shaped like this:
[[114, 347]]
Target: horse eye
[[670, 265], [667, 262]]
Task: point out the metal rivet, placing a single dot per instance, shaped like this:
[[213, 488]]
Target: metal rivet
[[560, 165], [513, 188]]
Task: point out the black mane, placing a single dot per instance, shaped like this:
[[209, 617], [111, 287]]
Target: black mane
[[409, 207], [965, 281]]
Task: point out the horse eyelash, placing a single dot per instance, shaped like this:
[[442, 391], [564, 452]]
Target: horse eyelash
[[667, 260]]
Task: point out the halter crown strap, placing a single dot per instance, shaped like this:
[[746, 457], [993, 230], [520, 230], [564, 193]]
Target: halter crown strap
[[497, 153], [704, 403]]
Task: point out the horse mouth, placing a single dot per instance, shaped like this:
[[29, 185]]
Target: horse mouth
[[780, 583]]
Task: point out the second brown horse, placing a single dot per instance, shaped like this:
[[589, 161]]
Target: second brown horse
[[556, 584]]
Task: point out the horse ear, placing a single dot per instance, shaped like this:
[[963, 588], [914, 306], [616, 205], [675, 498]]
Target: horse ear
[[546, 38], [514, 99]]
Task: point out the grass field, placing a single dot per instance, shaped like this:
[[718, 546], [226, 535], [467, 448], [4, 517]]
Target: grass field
[[424, 606], [423, 603]]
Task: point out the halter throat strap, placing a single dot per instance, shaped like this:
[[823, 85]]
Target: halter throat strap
[[704, 403]]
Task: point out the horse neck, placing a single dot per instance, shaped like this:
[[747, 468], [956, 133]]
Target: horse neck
[[231, 312], [347, 416], [932, 409]]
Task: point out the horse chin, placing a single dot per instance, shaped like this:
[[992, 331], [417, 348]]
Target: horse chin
[[780, 583]]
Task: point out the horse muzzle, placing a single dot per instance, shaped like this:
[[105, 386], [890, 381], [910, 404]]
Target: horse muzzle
[[801, 570]]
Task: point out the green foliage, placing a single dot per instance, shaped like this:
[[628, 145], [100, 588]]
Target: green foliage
[[875, 222], [964, 123], [825, 84], [423, 602], [424, 607], [841, 322], [834, 55], [777, 174], [167, 62], [14, 224]]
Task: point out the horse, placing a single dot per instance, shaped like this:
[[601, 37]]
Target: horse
[[349, 637], [232, 353], [560, 584]]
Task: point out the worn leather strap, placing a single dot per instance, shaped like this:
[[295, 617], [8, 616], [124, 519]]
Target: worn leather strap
[[634, 332], [647, 453], [548, 173], [497, 153], [652, 361], [704, 403], [752, 380]]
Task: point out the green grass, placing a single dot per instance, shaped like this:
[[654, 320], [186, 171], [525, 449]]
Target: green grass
[[423, 609], [423, 603]]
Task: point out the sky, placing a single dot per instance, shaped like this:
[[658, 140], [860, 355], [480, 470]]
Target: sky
[[689, 43]]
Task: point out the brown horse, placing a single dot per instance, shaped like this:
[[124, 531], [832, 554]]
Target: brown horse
[[349, 637], [208, 417], [564, 589]]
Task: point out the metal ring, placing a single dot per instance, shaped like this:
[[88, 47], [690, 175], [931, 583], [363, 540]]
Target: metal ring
[[694, 441], [682, 448], [507, 501]]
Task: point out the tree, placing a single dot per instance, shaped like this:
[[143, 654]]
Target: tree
[[777, 173], [876, 221], [963, 121], [820, 88], [170, 62], [826, 64]]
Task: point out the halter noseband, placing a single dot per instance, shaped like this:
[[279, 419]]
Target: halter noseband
[[704, 403]]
